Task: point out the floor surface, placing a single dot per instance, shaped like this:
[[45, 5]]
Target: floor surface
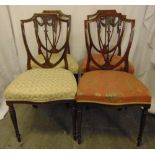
[[50, 126]]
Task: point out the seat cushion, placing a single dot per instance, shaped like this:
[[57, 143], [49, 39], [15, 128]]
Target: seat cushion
[[112, 88], [72, 63], [99, 59], [42, 85]]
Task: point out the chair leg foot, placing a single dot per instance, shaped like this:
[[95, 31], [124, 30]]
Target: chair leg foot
[[19, 138], [14, 121], [74, 120], [79, 123], [74, 137], [79, 141], [139, 142], [142, 125]]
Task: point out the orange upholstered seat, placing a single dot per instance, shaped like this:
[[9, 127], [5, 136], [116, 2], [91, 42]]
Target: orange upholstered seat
[[112, 88], [99, 58]]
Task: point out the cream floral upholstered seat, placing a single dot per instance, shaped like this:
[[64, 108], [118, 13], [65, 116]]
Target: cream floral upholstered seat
[[72, 63], [42, 85]]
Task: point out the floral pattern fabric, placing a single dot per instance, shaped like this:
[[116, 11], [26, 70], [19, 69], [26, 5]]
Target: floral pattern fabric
[[112, 88], [42, 85]]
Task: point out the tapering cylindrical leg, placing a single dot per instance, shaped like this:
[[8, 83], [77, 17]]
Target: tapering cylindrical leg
[[14, 121], [142, 125], [74, 120], [79, 123]]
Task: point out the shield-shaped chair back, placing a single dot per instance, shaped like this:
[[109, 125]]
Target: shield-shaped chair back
[[51, 31], [108, 33]]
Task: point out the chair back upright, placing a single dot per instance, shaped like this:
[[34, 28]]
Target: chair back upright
[[52, 32], [108, 33]]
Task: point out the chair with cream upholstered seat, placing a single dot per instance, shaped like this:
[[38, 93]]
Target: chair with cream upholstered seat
[[106, 80], [48, 83]]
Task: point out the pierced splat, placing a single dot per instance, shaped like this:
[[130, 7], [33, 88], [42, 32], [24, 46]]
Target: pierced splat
[[63, 16], [110, 27], [50, 26]]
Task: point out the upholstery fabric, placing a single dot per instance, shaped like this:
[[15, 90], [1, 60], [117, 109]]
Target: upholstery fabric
[[42, 85], [99, 59], [72, 63], [112, 88]]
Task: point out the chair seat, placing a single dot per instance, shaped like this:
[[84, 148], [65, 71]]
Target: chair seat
[[72, 63], [99, 59], [112, 88], [42, 85]]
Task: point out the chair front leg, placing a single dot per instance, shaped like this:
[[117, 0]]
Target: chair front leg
[[79, 123], [74, 120], [14, 121], [142, 125]]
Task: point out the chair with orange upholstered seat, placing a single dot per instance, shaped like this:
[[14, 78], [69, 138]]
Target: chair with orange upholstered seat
[[107, 80]]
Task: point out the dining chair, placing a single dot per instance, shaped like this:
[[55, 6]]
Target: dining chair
[[109, 34], [47, 84]]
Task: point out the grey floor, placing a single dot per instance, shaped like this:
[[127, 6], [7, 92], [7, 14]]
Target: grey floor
[[51, 127]]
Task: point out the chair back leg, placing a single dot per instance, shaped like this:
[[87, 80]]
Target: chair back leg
[[79, 123], [74, 120]]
